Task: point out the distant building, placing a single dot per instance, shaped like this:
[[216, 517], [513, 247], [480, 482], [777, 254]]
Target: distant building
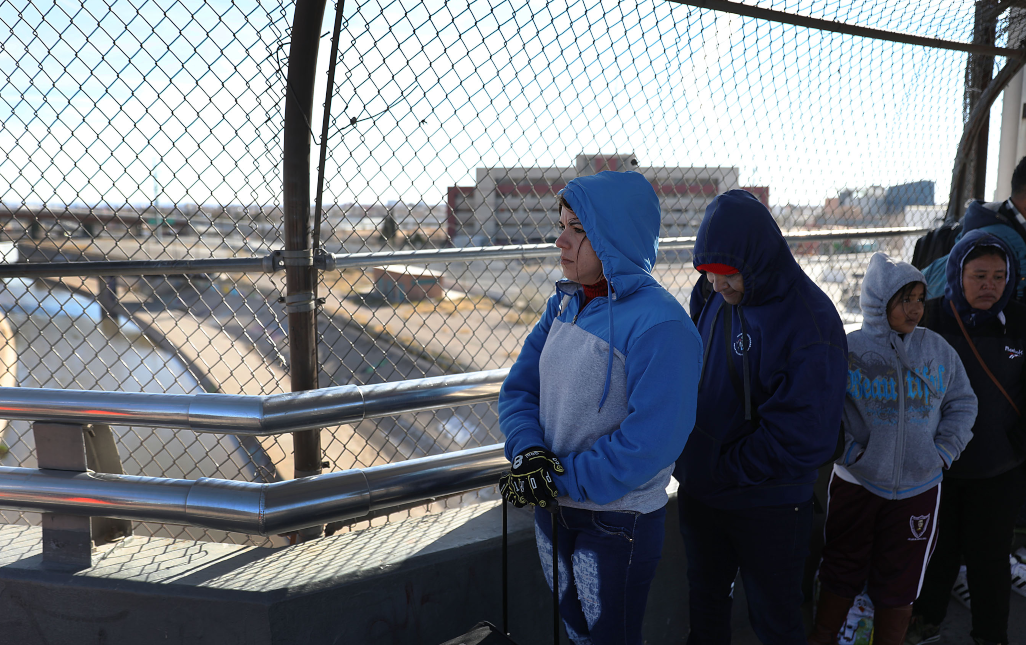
[[518, 205], [875, 206], [917, 193], [870, 204], [924, 216]]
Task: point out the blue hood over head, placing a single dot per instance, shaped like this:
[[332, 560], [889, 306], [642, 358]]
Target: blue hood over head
[[953, 289], [739, 231], [620, 214]]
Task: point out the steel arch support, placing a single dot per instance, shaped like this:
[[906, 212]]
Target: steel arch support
[[300, 276], [972, 132]]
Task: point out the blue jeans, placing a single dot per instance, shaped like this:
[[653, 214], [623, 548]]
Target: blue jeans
[[607, 561], [768, 544]]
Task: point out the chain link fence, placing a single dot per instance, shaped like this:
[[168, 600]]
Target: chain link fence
[[152, 129]]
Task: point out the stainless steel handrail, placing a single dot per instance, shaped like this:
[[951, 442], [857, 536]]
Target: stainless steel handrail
[[330, 262], [524, 251], [251, 415], [278, 507], [258, 264], [247, 507]]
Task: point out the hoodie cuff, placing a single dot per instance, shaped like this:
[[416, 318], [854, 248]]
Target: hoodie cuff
[[566, 483], [521, 439], [560, 481], [945, 455]]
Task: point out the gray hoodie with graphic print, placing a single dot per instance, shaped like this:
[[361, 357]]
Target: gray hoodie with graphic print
[[909, 408]]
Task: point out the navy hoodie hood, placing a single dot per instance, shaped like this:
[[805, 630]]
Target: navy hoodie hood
[[739, 231], [953, 289], [774, 371]]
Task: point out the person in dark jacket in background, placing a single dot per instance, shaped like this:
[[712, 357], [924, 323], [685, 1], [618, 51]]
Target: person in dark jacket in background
[[769, 415], [984, 489], [1001, 219]]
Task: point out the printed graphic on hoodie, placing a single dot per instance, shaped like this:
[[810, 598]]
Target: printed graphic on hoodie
[[877, 381]]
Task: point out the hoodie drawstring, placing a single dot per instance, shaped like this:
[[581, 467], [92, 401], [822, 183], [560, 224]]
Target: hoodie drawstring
[[744, 366], [708, 347], [609, 365]]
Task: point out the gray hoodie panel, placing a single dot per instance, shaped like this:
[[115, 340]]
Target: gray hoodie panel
[[909, 408], [572, 367]]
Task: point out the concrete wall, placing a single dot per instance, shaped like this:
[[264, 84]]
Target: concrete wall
[[420, 581]]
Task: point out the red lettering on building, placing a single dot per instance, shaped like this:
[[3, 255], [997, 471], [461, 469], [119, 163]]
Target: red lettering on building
[[705, 188], [454, 194], [526, 188]]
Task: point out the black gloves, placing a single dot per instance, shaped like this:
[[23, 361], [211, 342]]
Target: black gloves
[[529, 481]]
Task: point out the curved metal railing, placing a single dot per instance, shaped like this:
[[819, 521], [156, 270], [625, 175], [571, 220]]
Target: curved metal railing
[[251, 415], [329, 262], [248, 507], [277, 507]]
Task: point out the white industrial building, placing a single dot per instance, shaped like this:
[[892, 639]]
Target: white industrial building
[[518, 205]]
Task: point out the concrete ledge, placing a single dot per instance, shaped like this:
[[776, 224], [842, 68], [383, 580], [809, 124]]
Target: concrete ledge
[[420, 581]]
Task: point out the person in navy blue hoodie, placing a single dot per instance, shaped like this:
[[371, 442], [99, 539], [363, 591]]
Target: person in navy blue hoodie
[[769, 415], [986, 486], [599, 404]]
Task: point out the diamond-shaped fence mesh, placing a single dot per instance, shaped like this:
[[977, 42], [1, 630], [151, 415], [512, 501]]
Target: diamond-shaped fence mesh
[[152, 129]]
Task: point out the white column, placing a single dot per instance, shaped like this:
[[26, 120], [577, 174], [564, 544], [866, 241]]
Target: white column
[[1012, 144]]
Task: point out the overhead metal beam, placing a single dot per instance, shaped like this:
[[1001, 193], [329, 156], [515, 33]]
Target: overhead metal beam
[[849, 29]]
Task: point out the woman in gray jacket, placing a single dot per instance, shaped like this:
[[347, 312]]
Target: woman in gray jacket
[[908, 414]]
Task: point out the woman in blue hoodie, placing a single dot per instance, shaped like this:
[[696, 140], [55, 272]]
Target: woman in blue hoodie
[[908, 414], [598, 406]]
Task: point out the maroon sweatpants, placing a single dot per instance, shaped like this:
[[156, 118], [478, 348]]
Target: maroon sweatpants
[[879, 543]]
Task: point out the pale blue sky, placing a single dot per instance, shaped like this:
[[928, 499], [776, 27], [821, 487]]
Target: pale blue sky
[[440, 89]]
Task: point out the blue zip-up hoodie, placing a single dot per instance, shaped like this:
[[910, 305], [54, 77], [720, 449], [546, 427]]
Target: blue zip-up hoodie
[[609, 388], [910, 407], [762, 433]]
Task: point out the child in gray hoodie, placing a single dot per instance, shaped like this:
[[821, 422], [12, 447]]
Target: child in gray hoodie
[[908, 414]]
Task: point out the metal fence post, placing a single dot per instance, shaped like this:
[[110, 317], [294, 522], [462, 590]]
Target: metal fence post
[[300, 273], [67, 540], [108, 296], [102, 456]]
